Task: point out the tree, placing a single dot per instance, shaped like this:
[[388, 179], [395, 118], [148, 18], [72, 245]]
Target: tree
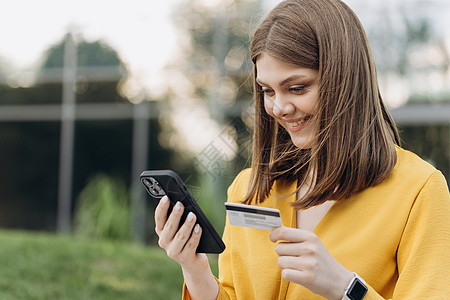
[[213, 73], [411, 56], [99, 70]]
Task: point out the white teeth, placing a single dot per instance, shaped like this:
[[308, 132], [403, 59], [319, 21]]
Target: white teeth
[[297, 123], [293, 124]]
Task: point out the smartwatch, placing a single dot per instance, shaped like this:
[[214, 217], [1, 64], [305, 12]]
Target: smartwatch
[[356, 289]]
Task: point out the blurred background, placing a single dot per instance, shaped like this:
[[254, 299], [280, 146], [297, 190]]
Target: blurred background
[[92, 93]]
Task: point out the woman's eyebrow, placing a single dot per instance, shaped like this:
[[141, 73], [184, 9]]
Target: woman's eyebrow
[[284, 81], [290, 79], [260, 82]]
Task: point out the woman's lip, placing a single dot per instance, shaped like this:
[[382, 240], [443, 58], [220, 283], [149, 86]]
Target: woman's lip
[[297, 124]]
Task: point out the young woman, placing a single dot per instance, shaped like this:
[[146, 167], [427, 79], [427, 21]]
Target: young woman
[[362, 218]]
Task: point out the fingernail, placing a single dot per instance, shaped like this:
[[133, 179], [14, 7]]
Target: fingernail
[[164, 199], [178, 206], [197, 228], [190, 216]]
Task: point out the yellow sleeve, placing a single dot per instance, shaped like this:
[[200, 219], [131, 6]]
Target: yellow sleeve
[[226, 286], [423, 259], [186, 295], [223, 295]]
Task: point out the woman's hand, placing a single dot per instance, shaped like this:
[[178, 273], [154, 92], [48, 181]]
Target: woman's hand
[[304, 260], [179, 244]]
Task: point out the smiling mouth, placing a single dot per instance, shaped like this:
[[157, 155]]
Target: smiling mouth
[[300, 122]]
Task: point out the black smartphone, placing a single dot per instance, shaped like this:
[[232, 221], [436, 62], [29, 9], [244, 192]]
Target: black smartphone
[[166, 182]]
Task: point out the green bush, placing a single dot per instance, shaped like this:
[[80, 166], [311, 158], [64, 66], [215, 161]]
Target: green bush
[[39, 266], [103, 209]]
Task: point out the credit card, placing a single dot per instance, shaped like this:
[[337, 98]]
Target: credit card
[[253, 216]]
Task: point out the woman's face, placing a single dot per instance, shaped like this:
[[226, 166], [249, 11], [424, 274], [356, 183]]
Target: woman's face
[[290, 96]]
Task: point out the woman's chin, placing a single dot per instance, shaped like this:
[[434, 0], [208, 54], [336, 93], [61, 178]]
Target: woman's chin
[[301, 143]]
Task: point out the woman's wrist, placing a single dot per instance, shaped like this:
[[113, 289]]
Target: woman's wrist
[[341, 284], [200, 281]]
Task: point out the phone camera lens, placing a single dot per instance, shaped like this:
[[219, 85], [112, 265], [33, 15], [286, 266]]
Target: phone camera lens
[[153, 187]]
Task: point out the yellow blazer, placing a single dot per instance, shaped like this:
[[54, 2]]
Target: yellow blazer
[[395, 235]]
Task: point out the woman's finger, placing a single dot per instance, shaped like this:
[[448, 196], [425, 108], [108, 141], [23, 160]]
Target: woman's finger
[[195, 239], [182, 236], [294, 235], [295, 249], [171, 226], [292, 275], [161, 214], [190, 247], [297, 263]]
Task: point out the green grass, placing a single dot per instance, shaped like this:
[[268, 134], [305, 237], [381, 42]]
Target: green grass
[[46, 266]]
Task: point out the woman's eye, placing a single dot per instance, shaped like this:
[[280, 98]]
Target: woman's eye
[[267, 92], [297, 89]]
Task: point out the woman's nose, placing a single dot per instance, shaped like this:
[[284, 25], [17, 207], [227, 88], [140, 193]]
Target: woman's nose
[[282, 106]]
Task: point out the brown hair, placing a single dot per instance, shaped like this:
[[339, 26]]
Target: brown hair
[[354, 147]]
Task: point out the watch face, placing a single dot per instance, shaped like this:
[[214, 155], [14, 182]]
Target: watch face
[[357, 291]]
